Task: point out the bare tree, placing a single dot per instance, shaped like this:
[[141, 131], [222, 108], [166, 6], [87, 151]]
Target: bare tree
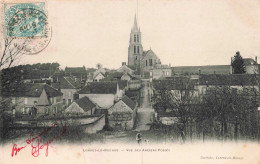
[[232, 110], [13, 50], [181, 100]]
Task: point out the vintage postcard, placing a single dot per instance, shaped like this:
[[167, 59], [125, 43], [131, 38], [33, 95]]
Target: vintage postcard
[[130, 81]]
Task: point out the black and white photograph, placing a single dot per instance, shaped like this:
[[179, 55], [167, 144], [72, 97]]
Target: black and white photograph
[[130, 81]]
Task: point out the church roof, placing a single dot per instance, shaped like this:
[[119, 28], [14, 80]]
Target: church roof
[[149, 53]]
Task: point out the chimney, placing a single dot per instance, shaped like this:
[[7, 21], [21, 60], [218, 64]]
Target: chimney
[[256, 59], [123, 63]]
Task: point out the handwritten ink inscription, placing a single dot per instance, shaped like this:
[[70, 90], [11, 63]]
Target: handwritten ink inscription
[[35, 142]]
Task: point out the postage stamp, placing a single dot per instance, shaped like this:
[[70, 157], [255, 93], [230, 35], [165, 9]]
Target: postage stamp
[[25, 19], [26, 24]]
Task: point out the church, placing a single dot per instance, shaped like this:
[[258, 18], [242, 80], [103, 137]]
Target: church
[[140, 60]]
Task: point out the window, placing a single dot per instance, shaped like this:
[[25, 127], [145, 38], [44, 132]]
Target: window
[[134, 49], [150, 62], [69, 101], [136, 58], [134, 38], [23, 111], [64, 102], [146, 63], [35, 102], [137, 38], [138, 49], [25, 100]]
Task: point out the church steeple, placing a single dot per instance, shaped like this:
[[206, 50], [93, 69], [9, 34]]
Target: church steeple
[[135, 27], [135, 49]]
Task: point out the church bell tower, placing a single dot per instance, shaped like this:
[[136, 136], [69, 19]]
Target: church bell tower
[[135, 49]]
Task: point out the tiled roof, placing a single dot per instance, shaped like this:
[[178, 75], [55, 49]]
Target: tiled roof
[[249, 61], [31, 90], [132, 93], [129, 102], [107, 87], [95, 75], [75, 82], [177, 83], [75, 70], [234, 79], [85, 103], [126, 67], [210, 69], [117, 74], [98, 71], [131, 67], [67, 83]]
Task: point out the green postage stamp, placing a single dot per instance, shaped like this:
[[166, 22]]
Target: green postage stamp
[[25, 20]]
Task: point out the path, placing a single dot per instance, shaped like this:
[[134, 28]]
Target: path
[[145, 112]]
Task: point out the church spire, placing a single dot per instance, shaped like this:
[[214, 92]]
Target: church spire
[[135, 24]]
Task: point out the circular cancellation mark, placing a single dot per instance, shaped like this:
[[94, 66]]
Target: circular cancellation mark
[[29, 29]]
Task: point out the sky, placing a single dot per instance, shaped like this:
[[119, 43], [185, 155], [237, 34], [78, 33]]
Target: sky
[[180, 32]]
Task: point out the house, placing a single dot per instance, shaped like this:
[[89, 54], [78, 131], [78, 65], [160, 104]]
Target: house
[[161, 71], [79, 72], [34, 99], [236, 81], [181, 88], [196, 70], [82, 106], [104, 93], [121, 116], [68, 86], [98, 76], [251, 66], [100, 69], [126, 69], [114, 76], [37, 76], [127, 77]]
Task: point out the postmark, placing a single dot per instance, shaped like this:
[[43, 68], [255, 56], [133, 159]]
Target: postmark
[[27, 25], [25, 20]]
